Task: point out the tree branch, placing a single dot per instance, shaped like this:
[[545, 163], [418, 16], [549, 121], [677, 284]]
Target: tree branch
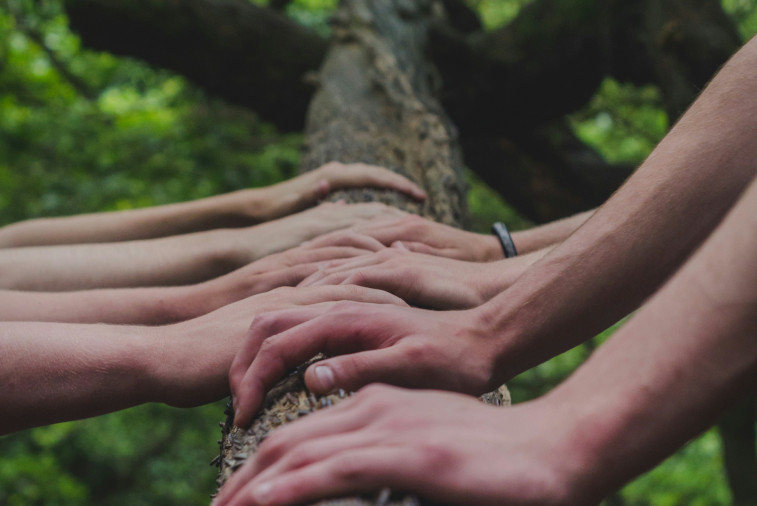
[[247, 54]]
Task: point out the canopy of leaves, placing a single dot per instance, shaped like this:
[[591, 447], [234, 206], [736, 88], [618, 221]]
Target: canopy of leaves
[[82, 131]]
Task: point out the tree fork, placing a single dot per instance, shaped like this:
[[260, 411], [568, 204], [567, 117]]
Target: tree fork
[[375, 103]]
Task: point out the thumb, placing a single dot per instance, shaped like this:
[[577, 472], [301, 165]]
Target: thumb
[[351, 372]]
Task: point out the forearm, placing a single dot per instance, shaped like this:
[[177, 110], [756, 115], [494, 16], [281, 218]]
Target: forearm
[[176, 260], [236, 209], [493, 278], [54, 372], [668, 373], [637, 239], [135, 306], [537, 238]]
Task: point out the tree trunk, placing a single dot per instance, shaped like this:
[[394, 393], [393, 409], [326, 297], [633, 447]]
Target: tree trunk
[[508, 90], [376, 103]]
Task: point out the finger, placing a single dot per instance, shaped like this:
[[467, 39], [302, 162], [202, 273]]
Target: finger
[[334, 252], [387, 231], [350, 264], [320, 294], [396, 365], [270, 356], [420, 247], [263, 326], [288, 276], [348, 472], [346, 238], [322, 278], [337, 420], [360, 174]]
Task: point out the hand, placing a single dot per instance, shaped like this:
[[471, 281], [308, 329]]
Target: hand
[[424, 236], [308, 188], [440, 446], [452, 350], [190, 366], [421, 280], [286, 268], [292, 231]]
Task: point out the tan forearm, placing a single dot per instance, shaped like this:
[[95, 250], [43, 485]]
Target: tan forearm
[[684, 357], [175, 260], [134, 306], [637, 239], [53, 372], [245, 207], [544, 236]]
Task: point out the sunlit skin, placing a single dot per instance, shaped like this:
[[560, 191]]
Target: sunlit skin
[[663, 377], [53, 372], [168, 304], [236, 209]]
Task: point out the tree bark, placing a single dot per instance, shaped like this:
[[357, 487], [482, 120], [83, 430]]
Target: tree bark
[[505, 89], [376, 103]]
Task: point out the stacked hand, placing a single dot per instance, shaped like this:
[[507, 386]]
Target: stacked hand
[[420, 279], [453, 350], [424, 236], [195, 355], [305, 190], [441, 446]]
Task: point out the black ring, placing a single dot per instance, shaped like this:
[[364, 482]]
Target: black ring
[[505, 239]]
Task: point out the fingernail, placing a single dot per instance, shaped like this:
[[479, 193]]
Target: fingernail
[[262, 492], [325, 377]]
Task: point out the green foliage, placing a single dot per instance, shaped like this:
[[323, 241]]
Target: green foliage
[[83, 131], [623, 122], [745, 14]]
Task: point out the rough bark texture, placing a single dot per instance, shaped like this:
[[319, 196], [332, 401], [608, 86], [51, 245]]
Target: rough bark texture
[[506, 89], [375, 103]]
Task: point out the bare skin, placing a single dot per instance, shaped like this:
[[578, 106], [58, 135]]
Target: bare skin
[[236, 209], [603, 271], [425, 236], [661, 379], [53, 372], [425, 280], [175, 260], [169, 304]]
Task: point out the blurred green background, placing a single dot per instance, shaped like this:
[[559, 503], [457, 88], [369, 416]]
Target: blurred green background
[[82, 131]]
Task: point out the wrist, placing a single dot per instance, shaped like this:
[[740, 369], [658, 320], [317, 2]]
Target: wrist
[[190, 363], [572, 432], [491, 248], [171, 363]]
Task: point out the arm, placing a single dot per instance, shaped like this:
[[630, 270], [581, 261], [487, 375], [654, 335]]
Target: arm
[[426, 280], [161, 305], [236, 209], [177, 260], [425, 236], [53, 372], [550, 234], [624, 252], [661, 379]]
